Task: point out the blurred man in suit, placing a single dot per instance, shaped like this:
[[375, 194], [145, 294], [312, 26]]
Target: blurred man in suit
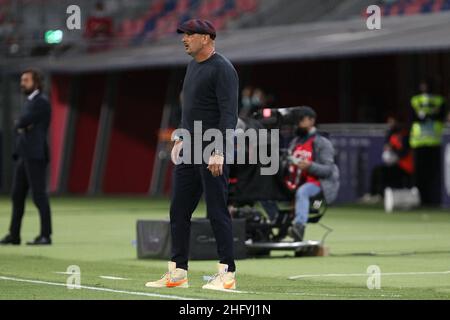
[[31, 156]]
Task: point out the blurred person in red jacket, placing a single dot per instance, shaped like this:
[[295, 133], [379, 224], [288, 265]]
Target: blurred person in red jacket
[[99, 28], [397, 168]]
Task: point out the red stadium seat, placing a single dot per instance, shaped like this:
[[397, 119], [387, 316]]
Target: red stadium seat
[[166, 17], [220, 22], [246, 5], [182, 7], [216, 5], [437, 5], [203, 10], [413, 9], [154, 10], [410, 7], [395, 9]]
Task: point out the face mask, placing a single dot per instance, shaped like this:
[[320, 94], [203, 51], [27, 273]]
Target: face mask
[[256, 100], [302, 132], [246, 102]]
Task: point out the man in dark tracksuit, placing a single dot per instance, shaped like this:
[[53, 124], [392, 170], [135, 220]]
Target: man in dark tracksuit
[[31, 155], [210, 95]]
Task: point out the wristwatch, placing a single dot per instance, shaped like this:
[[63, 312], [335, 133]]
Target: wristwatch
[[177, 138]]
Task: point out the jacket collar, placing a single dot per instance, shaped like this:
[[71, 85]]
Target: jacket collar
[[310, 134], [33, 94]]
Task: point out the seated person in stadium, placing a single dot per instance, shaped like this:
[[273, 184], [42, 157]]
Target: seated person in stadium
[[312, 158], [252, 99], [99, 24], [397, 168], [99, 28]]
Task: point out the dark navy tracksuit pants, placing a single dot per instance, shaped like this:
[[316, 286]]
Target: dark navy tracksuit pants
[[189, 182]]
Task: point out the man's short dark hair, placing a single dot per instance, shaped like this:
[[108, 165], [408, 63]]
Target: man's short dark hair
[[36, 75], [304, 111]]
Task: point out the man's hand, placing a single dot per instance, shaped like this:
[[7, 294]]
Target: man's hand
[[176, 149], [23, 130], [216, 165], [304, 164]]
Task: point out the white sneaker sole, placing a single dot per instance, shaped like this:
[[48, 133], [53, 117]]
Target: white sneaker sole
[[152, 285], [218, 289]]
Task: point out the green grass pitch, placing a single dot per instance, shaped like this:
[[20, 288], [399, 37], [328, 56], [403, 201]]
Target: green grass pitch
[[412, 249]]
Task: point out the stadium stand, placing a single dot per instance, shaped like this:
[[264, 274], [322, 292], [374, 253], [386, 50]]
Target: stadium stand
[[135, 22], [138, 22], [283, 12], [128, 22], [163, 16], [410, 7]]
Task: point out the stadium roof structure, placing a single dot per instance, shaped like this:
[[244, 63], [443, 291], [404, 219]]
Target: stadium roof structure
[[318, 40]]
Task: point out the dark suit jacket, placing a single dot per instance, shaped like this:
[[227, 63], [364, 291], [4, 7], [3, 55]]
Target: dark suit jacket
[[34, 122]]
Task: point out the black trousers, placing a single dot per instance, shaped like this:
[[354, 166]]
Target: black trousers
[[30, 174], [389, 176], [427, 162], [189, 182]]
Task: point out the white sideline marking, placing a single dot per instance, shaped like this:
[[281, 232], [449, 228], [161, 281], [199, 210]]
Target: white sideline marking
[[135, 293], [367, 274], [103, 277], [230, 291], [317, 294], [344, 295], [67, 273], [334, 295], [113, 278]]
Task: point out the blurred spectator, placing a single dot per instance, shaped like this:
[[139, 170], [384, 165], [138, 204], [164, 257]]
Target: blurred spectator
[[99, 27], [246, 101], [398, 166], [252, 99], [258, 98], [9, 35], [428, 116]]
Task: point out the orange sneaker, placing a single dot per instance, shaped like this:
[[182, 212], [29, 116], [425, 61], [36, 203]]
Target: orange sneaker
[[223, 280], [175, 277]]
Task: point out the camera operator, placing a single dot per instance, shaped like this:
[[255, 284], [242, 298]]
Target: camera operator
[[313, 167]]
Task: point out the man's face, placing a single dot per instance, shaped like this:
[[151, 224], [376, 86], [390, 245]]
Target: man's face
[[391, 121], [247, 92], [306, 123], [27, 84], [423, 87], [194, 43]]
